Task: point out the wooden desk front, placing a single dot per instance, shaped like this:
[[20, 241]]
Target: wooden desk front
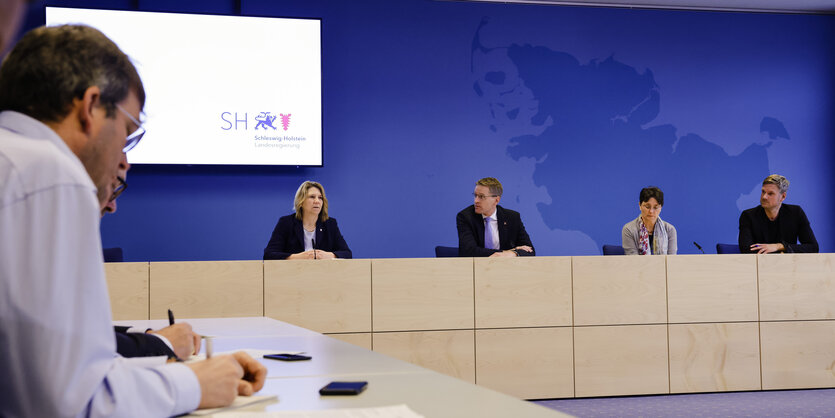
[[543, 327]]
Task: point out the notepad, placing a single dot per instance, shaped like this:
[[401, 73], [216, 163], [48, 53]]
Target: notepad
[[239, 402], [394, 411]]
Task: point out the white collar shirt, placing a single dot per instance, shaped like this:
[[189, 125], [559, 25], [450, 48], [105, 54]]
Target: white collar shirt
[[56, 335]]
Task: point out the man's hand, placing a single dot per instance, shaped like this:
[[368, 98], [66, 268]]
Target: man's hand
[[525, 248], [219, 378], [222, 378], [505, 253], [185, 341], [254, 374], [767, 248]]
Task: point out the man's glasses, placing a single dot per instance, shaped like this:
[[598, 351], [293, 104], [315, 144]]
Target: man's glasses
[[119, 189], [133, 139], [483, 196]]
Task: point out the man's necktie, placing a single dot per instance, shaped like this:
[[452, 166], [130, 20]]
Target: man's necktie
[[488, 235]]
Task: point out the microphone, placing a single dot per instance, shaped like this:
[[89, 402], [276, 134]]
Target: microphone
[[698, 246], [313, 244]]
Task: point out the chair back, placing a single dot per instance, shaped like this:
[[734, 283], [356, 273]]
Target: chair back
[[441, 251], [613, 250], [113, 255], [727, 249]]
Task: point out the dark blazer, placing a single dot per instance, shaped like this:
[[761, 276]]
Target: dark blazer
[[288, 239], [793, 224], [130, 344], [471, 232]]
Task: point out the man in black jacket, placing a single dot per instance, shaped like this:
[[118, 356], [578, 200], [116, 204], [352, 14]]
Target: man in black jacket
[[177, 341], [774, 226], [486, 229]]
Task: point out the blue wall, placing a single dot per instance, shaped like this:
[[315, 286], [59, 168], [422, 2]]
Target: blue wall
[[573, 109]]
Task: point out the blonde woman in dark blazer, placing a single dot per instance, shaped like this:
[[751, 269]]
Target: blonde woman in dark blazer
[[309, 233]]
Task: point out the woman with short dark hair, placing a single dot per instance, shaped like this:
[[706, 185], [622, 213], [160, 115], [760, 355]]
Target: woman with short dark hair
[[648, 234]]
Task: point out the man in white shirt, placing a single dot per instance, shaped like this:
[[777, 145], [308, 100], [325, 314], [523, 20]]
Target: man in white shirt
[[70, 103]]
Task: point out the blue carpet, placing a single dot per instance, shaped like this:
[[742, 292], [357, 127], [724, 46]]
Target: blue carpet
[[784, 403]]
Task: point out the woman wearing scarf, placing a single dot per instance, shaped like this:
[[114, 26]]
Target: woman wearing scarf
[[648, 234]]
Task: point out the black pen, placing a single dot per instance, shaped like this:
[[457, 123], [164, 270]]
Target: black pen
[[170, 317]]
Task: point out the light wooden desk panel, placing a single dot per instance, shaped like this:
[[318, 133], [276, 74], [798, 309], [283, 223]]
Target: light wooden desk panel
[[127, 284], [714, 357], [712, 288], [796, 286], [522, 292], [529, 363], [619, 290], [206, 289], [620, 360], [798, 354], [422, 294], [449, 352], [461, 316], [323, 295]]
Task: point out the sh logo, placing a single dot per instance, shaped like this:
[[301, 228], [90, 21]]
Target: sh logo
[[264, 120], [285, 120]]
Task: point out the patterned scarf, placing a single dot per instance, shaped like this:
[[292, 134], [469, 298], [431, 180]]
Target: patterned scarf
[[643, 242]]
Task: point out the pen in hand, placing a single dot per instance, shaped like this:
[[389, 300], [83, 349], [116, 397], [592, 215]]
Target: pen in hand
[[170, 317]]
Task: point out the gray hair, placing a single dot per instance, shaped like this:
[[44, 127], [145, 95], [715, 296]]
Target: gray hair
[[781, 182]]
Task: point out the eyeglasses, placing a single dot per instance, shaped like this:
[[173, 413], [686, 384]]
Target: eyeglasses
[[483, 196], [119, 189], [133, 139]]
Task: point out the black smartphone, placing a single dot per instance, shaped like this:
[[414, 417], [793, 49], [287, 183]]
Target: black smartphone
[[343, 388], [287, 357]]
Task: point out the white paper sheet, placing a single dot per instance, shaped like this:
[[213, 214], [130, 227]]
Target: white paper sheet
[[394, 411]]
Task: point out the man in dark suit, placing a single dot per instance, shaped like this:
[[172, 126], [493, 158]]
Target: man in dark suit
[[177, 341], [486, 229], [156, 343], [775, 226]]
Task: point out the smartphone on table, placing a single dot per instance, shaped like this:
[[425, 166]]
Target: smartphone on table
[[287, 357], [343, 388]]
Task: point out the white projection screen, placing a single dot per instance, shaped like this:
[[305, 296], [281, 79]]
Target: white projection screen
[[230, 90]]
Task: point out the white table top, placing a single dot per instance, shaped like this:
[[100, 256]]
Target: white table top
[[331, 357], [427, 393], [390, 381]]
